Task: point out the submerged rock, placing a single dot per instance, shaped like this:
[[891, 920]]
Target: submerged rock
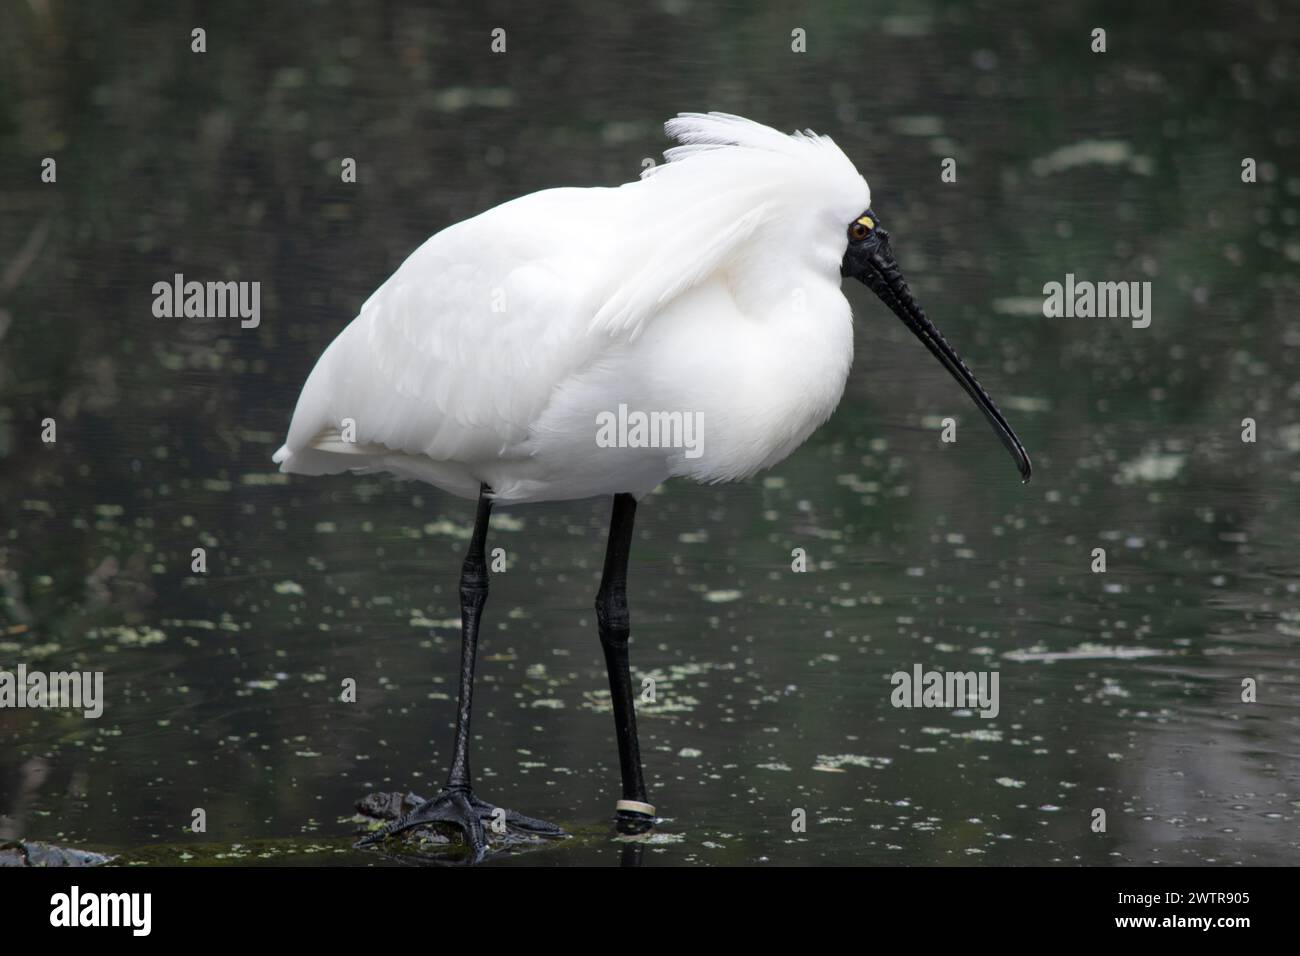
[[387, 806], [35, 853]]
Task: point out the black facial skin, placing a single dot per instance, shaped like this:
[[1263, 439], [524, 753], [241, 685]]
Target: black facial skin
[[871, 260]]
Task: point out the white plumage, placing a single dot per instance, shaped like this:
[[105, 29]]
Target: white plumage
[[709, 286]]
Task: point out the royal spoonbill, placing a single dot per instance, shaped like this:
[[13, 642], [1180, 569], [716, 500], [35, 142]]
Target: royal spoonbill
[[492, 361]]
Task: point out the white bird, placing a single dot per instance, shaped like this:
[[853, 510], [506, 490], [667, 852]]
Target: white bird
[[522, 355]]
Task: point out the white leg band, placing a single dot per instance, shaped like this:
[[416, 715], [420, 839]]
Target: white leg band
[[636, 806]]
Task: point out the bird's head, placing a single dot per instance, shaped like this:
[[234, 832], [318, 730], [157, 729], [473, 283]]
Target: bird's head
[[870, 259]]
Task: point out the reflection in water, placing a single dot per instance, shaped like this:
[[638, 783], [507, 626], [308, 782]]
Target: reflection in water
[[772, 687], [630, 855], [32, 773]]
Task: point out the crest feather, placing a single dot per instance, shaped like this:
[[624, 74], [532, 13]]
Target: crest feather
[[728, 180]]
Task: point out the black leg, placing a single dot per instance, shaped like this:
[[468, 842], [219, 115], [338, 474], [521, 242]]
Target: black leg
[[634, 813], [473, 595], [456, 805]]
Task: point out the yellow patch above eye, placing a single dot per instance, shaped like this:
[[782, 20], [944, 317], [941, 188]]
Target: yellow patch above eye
[[867, 221]]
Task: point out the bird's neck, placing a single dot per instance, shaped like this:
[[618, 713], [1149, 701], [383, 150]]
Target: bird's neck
[[787, 280]]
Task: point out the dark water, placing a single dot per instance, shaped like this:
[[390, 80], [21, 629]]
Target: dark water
[[1120, 691]]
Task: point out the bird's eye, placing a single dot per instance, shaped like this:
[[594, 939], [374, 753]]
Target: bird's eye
[[859, 230]]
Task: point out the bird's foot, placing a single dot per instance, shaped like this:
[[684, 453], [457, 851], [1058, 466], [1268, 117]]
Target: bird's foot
[[458, 807]]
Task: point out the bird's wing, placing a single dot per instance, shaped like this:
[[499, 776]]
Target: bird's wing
[[689, 242], [458, 353]]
